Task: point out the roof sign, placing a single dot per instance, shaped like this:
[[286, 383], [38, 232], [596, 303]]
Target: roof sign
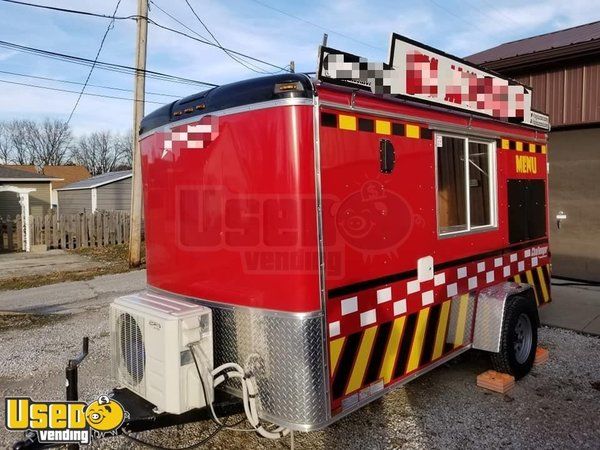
[[421, 72]]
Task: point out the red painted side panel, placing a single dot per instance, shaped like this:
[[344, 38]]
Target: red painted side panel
[[384, 324], [234, 221], [394, 215]]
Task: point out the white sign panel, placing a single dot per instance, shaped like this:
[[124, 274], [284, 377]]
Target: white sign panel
[[436, 77], [421, 72]]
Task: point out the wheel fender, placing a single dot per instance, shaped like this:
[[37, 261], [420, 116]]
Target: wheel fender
[[489, 316]]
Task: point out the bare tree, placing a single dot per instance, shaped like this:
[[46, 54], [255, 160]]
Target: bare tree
[[5, 147], [100, 152], [30, 142], [124, 145], [53, 139], [21, 139]]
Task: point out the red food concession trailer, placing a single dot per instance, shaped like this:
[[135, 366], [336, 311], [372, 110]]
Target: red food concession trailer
[[343, 234]]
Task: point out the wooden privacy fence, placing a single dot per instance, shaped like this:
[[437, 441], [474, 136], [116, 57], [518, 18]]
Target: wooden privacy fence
[[10, 234], [67, 231]]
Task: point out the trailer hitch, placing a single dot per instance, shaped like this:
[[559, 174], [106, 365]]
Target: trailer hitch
[[31, 438]]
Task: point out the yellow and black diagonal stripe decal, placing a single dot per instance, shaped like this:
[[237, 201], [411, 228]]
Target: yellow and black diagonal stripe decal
[[539, 280], [430, 332], [416, 350], [405, 344], [396, 348], [533, 284], [461, 325], [335, 350], [344, 367], [362, 360], [442, 330], [437, 328], [544, 283], [391, 350], [517, 279], [383, 336]]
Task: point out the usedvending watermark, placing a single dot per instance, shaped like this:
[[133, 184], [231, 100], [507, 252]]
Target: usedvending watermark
[[65, 422], [277, 234]]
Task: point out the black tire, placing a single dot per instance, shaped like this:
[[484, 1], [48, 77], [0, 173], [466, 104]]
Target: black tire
[[517, 352]]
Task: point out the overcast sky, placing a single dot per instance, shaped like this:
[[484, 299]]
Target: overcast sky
[[362, 27]]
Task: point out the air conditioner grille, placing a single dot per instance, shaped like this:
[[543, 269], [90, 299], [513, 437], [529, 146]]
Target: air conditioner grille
[[132, 349]]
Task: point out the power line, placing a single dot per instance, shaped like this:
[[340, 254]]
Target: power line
[[37, 77], [212, 44], [484, 13], [175, 19], [108, 28], [70, 11], [249, 66], [102, 65], [203, 39], [498, 11], [458, 16], [74, 92], [285, 13]]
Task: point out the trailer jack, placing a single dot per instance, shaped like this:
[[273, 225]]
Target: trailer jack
[[72, 395]]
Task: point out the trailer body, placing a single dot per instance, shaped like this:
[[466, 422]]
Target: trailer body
[[346, 242]]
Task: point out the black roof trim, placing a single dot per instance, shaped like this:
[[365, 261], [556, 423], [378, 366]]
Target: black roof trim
[[247, 92]]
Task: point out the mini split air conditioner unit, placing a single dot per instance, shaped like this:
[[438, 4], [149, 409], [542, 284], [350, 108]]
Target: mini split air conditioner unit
[[151, 356]]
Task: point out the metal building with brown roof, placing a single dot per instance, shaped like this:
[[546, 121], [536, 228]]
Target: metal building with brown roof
[[563, 68]]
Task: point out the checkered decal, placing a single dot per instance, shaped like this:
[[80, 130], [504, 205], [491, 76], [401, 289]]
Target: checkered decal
[[191, 136], [349, 314], [382, 335]]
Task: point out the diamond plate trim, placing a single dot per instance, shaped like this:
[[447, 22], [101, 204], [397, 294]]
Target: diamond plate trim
[[490, 315], [286, 356]]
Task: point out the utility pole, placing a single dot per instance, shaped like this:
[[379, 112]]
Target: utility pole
[[135, 225]]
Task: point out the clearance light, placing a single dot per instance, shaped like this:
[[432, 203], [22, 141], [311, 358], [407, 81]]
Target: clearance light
[[281, 88], [200, 106]]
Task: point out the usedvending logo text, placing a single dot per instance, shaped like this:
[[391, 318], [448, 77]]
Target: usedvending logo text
[[65, 422]]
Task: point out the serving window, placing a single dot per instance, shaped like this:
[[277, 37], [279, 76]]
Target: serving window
[[466, 184]]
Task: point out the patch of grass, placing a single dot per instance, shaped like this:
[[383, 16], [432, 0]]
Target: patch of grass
[[114, 259]]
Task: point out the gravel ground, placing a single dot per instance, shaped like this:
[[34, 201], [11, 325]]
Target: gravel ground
[[556, 406]]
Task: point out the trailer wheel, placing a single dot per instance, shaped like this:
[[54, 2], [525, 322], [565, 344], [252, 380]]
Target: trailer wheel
[[518, 339]]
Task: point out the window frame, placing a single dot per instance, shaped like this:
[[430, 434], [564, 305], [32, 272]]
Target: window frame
[[493, 191]]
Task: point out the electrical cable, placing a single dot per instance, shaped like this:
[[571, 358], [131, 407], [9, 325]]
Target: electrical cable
[[249, 395], [212, 44], [71, 11], [458, 16], [103, 65], [345, 36], [203, 39], [110, 26], [248, 65], [175, 19], [214, 417], [75, 92], [37, 77], [196, 33], [189, 447]]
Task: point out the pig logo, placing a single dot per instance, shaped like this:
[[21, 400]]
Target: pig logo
[[374, 220]]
